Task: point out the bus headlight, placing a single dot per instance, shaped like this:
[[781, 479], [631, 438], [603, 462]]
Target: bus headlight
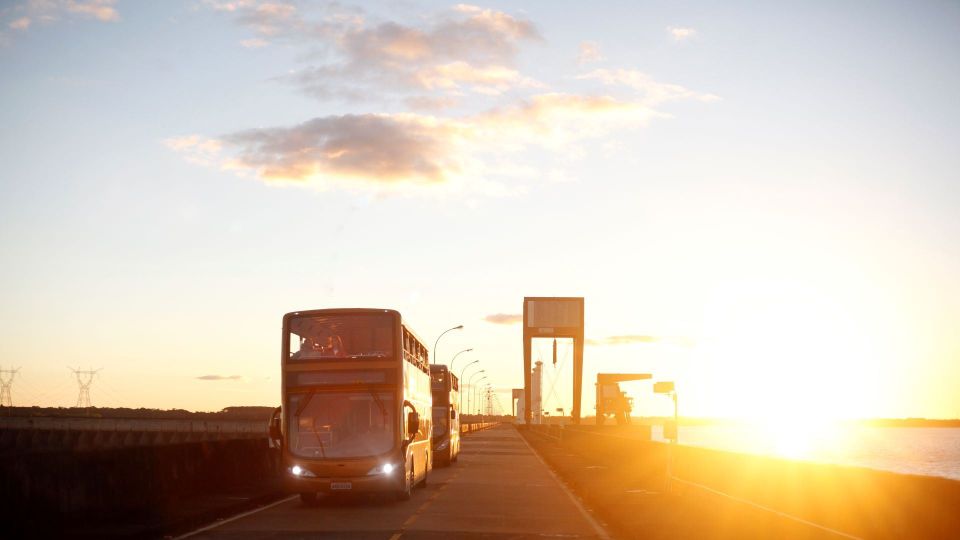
[[386, 468], [443, 444], [297, 470]]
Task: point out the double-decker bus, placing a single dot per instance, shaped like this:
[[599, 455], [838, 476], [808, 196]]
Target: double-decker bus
[[446, 414], [356, 413]]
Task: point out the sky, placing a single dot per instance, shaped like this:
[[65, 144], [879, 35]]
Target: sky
[[757, 201]]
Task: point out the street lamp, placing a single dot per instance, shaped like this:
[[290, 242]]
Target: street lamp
[[476, 398], [463, 387], [465, 368], [670, 431], [438, 341], [470, 394], [455, 358]]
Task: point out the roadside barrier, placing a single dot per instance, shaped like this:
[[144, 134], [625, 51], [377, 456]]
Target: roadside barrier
[[45, 434], [477, 426], [44, 487]]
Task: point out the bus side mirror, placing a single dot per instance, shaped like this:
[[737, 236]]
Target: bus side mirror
[[274, 426], [413, 423], [453, 414]]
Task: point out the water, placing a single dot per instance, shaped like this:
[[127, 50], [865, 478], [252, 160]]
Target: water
[[909, 450]]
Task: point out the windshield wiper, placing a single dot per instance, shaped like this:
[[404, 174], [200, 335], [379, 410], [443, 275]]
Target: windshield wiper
[[313, 427], [304, 403], [379, 402]]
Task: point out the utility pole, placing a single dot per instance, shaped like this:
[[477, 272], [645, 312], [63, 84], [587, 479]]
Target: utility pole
[[84, 380], [6, 385]]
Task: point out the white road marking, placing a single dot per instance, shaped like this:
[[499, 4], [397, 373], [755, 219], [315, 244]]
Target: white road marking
[[771, 510], [601, 532], [234, 518]]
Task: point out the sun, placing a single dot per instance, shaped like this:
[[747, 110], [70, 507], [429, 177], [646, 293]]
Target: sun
[[782, 353], [797, 438]]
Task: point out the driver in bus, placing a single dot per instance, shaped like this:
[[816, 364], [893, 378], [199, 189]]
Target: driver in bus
[[332, 345]]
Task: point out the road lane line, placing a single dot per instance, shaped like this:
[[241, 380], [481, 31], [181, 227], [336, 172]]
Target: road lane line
[[601, 532], [234, 518], [416, 514], [767, 509]]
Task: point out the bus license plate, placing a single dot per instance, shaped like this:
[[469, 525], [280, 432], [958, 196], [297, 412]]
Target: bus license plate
[[341, 485]]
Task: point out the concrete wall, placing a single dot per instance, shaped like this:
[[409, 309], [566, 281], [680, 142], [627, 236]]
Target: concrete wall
[[253, 428], [53, 489]]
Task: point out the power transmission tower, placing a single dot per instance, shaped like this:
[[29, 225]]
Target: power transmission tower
[[84, 379], [6, 385]]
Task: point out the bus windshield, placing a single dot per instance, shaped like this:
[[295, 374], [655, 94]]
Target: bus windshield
[[341, 424], [354, 336], [441, 416]]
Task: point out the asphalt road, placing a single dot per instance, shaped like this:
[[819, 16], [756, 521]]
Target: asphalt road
[[498, 489]]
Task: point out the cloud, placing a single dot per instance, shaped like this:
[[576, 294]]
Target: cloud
[[409, 149], [430, 103], [635, 339], [652, 92], [426, 67], [102, 10], [219, 378], [680, 33], [465, 48], [195, 148], [589, 53], [24, 15], [254, 43], [504, 318], [20, 24], [490, 80], [368, 147]]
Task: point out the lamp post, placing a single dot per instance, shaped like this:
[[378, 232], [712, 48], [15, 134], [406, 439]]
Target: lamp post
[[470, 393], [670, 429], [455, 358], [460, 327], [463, 386], [476, 399]]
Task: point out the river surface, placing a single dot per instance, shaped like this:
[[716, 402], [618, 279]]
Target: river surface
[[910, 450]]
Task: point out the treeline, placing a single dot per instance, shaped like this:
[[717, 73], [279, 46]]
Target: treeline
[[229, 413], [910, 422]]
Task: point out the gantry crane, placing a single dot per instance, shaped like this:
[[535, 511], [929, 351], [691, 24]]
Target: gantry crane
[[613, 401]]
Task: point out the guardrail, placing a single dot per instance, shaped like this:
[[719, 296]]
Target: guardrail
[[476, 426], [257, 427], [85, 434]]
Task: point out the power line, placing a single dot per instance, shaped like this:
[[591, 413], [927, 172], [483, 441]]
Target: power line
[[84, 380]]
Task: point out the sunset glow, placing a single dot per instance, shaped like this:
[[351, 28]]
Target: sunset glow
[[773, 227]]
